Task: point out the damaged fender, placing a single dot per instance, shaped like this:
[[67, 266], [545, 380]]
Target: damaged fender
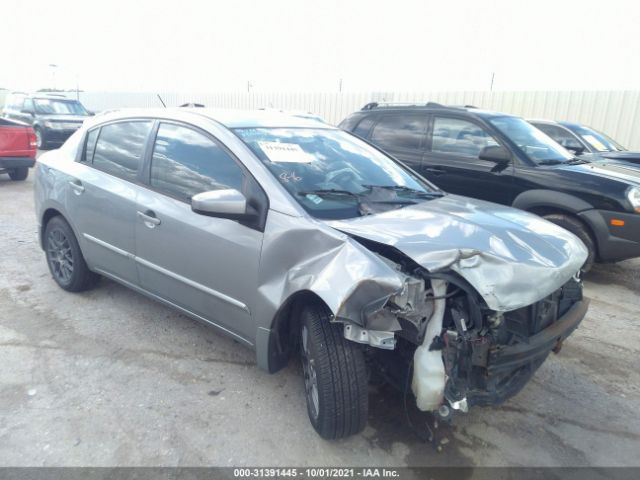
[[311, 256]]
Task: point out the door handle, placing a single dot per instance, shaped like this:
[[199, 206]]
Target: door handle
[[149, 218], [77, 187]]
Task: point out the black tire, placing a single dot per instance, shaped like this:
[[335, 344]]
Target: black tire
[[41, 142], [339, 369], [18, 174], [65, 260], [580, 230]]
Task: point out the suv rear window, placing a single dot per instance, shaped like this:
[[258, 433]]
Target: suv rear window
[[400, 131], [119, 148]]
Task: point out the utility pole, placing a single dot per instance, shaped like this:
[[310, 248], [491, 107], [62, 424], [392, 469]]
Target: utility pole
[[340, 86], [53, 67], [493, 76], [249, 85]]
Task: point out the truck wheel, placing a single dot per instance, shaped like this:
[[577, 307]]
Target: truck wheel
[[576, 227], [335, 376], [64, 257], [19, 173]]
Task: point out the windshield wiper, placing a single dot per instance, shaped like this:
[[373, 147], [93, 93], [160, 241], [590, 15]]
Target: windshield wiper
[[329, 191], [550, 162], [404, 189]]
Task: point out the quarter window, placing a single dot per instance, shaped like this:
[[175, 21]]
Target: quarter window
[[119, 148], [92, 136], [459, 137], [400, 131], [186, 162]]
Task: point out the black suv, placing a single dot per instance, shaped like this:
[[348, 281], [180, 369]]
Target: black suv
[[504, 159], [53, 117]]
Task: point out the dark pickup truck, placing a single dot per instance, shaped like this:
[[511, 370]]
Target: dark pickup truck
[[17, 148]]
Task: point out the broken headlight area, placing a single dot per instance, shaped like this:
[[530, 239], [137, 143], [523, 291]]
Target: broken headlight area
[[438, 336]]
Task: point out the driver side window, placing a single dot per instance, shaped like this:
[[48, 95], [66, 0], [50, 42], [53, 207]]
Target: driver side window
[[455, 136], [186, 162]]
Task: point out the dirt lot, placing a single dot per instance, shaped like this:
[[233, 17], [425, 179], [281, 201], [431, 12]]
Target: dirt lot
[[109, 377]]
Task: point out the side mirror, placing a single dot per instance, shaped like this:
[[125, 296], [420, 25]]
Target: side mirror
[[576, 150], [495, 153], [228, 203]]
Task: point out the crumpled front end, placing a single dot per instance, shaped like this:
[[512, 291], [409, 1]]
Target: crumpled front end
[[460, 304]]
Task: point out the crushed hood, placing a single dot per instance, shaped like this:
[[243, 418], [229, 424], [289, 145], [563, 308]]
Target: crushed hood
[[512, 258]]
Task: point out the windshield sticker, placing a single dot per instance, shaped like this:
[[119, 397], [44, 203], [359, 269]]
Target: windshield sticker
[[314, 198], [279, 152], [595, 143]]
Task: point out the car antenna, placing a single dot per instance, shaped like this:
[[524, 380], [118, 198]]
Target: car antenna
[[161, 101]]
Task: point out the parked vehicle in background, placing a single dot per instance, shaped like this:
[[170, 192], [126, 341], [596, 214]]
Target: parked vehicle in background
[[586, 142], [504, 159], [291, 235], [53, 117], [17, 148]]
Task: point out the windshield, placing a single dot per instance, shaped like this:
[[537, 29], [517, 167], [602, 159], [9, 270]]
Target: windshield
[[534, 143], [59, 107], [334, 175], [598, 140]]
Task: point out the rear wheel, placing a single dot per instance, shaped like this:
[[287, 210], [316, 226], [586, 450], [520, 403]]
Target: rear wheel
[[19, 173], [65, 260], [578, 228], [335, 376]]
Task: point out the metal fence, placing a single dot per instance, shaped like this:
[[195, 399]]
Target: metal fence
[[616, 113]]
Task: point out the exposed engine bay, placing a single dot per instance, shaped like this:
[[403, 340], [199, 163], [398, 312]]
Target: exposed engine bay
[[439, 336]]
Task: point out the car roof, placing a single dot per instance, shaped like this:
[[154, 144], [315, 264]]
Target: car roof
[[430, 107], [230, 118], [564, 123]]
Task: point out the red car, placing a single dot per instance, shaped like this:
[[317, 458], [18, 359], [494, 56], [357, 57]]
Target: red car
[[17, 148]]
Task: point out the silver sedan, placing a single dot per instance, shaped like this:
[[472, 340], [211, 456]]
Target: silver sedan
[[295, 237]]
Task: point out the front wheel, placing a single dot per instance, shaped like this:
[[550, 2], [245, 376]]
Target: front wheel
[[19, 174], [64, 257], [576, 227], [335, 376]]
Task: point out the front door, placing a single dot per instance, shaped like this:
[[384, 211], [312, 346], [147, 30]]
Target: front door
[[204, 265], [452, 162]]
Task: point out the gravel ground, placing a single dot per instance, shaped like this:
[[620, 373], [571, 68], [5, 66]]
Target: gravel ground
[[110, 378]]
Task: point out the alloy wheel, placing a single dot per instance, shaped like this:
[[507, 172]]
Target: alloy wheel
[[310, 378], [60, 255]]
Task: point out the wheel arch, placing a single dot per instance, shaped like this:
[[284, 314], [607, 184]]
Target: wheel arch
[[47, 214], [546, 202], [275, 345]]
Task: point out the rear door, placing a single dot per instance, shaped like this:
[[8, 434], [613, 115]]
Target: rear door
[[452, 160], [102, 193], [207, 266], [402, 135]]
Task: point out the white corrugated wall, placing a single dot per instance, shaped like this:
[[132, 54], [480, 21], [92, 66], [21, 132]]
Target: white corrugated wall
[[616, 113]]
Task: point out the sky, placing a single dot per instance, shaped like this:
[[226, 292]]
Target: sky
[[321, 46]]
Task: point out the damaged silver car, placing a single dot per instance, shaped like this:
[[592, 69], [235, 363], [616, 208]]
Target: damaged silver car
[[293, 236]]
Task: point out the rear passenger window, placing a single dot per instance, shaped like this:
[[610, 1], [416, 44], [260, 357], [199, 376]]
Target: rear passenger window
[[186, 162], [119, 148], [459, 137], [400, 131], [92, 136]]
